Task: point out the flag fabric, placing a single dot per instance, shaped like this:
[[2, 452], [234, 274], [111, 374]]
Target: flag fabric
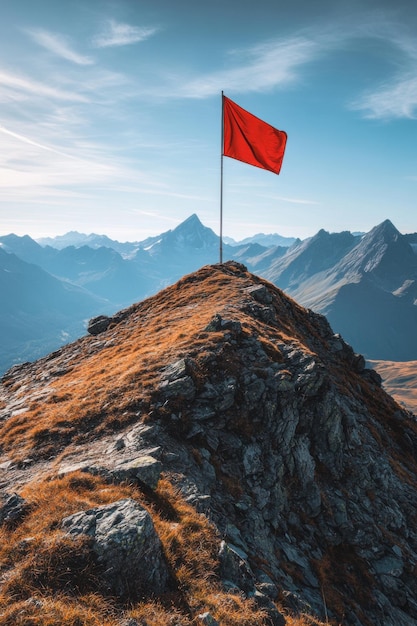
[[249, 139]]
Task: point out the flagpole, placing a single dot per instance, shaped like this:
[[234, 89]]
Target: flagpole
[[221, 183]]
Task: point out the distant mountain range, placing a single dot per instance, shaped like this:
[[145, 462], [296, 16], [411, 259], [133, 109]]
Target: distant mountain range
[[39, 312], [364, 284], [76, 239]]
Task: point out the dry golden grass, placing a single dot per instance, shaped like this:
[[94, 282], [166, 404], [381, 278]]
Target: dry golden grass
[[40, 610], [399, 380], [50, 579], [107, 380], [303, 620], [155, 614], [192, 547], [36, 556]]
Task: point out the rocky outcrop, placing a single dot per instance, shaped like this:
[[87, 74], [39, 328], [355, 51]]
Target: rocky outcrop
[[13, 510], [98, 324], [271, 426], [126, 546]]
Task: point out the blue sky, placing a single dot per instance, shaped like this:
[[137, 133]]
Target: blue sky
[[110, 115]]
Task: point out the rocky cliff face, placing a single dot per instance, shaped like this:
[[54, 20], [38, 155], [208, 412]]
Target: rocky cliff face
[[267, 424]]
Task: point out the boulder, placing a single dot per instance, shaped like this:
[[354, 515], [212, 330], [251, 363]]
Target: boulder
[[98, 324], [13, 510], [143, 469], [126, 547], [234, 569]]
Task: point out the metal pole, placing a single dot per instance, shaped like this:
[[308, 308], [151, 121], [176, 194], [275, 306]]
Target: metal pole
[[221, 183]]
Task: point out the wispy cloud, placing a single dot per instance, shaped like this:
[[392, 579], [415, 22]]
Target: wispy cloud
[[119, 34], [32, 168], [282, 63], [259, 68], [397, 99], [31, 142], [59, 46], [20, 87], [292, 200]]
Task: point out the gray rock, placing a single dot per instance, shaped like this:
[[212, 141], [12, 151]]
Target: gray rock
[[144, 469], [217, 323], [268, 589], [391, 565], [207, 619], [234, 569], [13, 510], [126, 547], [98, 324], [179, 369], [275, 618], [252, 462], [182, 387], [260, 293], [83, 466], [177, 381]]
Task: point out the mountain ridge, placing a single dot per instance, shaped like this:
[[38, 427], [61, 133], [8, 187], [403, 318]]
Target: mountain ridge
[[39, 312], [365, 284], [294, 472]]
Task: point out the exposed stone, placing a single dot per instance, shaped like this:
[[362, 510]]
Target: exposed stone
[[176, 381], [260, 293], [126, 547], [234, 569], [391, 565], [274, 431], [268, 589], [217, 323], [83, 466], [275, 618], [207, 619], [98, 324], [144, 469], [13, 510]]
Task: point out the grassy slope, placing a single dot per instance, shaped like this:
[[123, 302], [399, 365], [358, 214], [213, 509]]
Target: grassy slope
[[399, 380], [92, 388]]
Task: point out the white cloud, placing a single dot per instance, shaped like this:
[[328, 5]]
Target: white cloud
[[18, 87], [60, 46], [292, 200], [31, 142], [119, 34], [282, 63], [261, 67], [36, 168], [397, 99]]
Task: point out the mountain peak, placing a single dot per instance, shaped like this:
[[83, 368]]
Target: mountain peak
[[192, 220], [385, 254], [385, 230], [190, 235], [191, 224], [265, 453]]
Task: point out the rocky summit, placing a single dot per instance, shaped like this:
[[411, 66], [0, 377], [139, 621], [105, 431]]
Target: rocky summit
[[212, 455]]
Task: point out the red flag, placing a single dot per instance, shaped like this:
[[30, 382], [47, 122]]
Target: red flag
[[249, 139]]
